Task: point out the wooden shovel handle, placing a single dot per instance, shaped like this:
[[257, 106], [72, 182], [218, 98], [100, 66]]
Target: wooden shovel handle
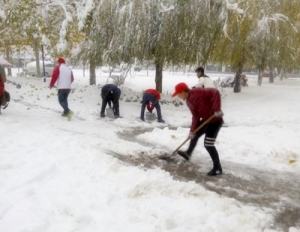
[[194, 132]]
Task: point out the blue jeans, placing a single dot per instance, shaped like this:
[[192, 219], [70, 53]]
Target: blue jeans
[[63, 99], [147, 97]]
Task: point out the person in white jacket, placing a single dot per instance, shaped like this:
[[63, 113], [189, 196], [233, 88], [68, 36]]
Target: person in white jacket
[[203, 80], [63, 75]]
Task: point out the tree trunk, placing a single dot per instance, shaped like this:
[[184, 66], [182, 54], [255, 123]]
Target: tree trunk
[[158, 75], [37, 57], [237, 83], [260, 76], [281, 73], [92, 72], [271, 79], [7, 54]]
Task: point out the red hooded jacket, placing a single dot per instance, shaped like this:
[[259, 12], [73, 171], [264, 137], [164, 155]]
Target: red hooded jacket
[[1, 86], [156, 94], [202, 104]]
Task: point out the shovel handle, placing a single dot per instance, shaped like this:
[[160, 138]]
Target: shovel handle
[[194, 132], [203, 124]]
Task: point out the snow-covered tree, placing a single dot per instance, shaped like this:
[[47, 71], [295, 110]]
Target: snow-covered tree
[[34, 23], [264, 33], [99, 22], [252, 35]]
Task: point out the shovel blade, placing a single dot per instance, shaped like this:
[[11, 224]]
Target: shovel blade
[[166, 156]]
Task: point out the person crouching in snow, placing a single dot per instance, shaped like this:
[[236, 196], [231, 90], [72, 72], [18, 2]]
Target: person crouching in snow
[[151, 100], [63, 75], [203, 103], [110, 94]]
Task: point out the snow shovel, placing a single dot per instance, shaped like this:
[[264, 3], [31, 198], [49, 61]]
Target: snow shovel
[[194, 132], [110, 113]]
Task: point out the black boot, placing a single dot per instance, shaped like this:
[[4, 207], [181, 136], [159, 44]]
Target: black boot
[[217, 170], [184, 155]]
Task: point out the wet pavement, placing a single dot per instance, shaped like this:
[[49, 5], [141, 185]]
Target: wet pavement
[[261, 188]]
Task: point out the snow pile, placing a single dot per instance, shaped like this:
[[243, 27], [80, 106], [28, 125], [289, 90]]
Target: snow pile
[[64, 176]]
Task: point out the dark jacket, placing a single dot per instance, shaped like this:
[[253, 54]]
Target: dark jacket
[[111, 92], [202, 104]]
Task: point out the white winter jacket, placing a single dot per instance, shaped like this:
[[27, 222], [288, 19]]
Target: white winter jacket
[[63, 76], [205, 82]]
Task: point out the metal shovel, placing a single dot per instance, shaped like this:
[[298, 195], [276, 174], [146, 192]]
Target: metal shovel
[[194, 132]]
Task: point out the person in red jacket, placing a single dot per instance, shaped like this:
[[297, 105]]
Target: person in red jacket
[[1, 86], [203, 103], [63, 75], [2, 80], [151, 100], [2, 95]]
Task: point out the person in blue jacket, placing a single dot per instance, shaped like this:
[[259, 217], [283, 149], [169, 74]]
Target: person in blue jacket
[[110, 94]]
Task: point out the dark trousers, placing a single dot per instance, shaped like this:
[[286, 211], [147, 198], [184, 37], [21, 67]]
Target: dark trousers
[[147, 97], [63, 99], [211, 131], [110, 101]]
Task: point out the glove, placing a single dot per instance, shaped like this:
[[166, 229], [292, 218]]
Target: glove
[[191, 135], [218, 114]]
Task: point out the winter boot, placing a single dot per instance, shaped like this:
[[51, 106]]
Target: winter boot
[[184, 155], [217, 170]]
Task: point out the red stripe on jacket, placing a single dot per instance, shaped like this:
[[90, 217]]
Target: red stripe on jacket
[[202, 104]]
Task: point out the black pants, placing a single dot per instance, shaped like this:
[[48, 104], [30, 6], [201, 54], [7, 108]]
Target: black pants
[[110, 100], [211, 131]]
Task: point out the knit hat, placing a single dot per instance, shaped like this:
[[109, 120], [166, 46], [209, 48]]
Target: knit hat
[[61, 60], [179, 88]]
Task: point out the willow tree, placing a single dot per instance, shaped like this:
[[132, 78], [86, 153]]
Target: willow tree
[[12, 36], [177, 32], [165, 32], [108, 28], [289, 38], [264, 38], [275, 36], [205, 24], [58, 30], [35, 23], [154, 35], [233, 46], [250, 35]]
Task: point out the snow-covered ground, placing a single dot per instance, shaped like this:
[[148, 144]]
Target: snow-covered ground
[[57, 175]]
